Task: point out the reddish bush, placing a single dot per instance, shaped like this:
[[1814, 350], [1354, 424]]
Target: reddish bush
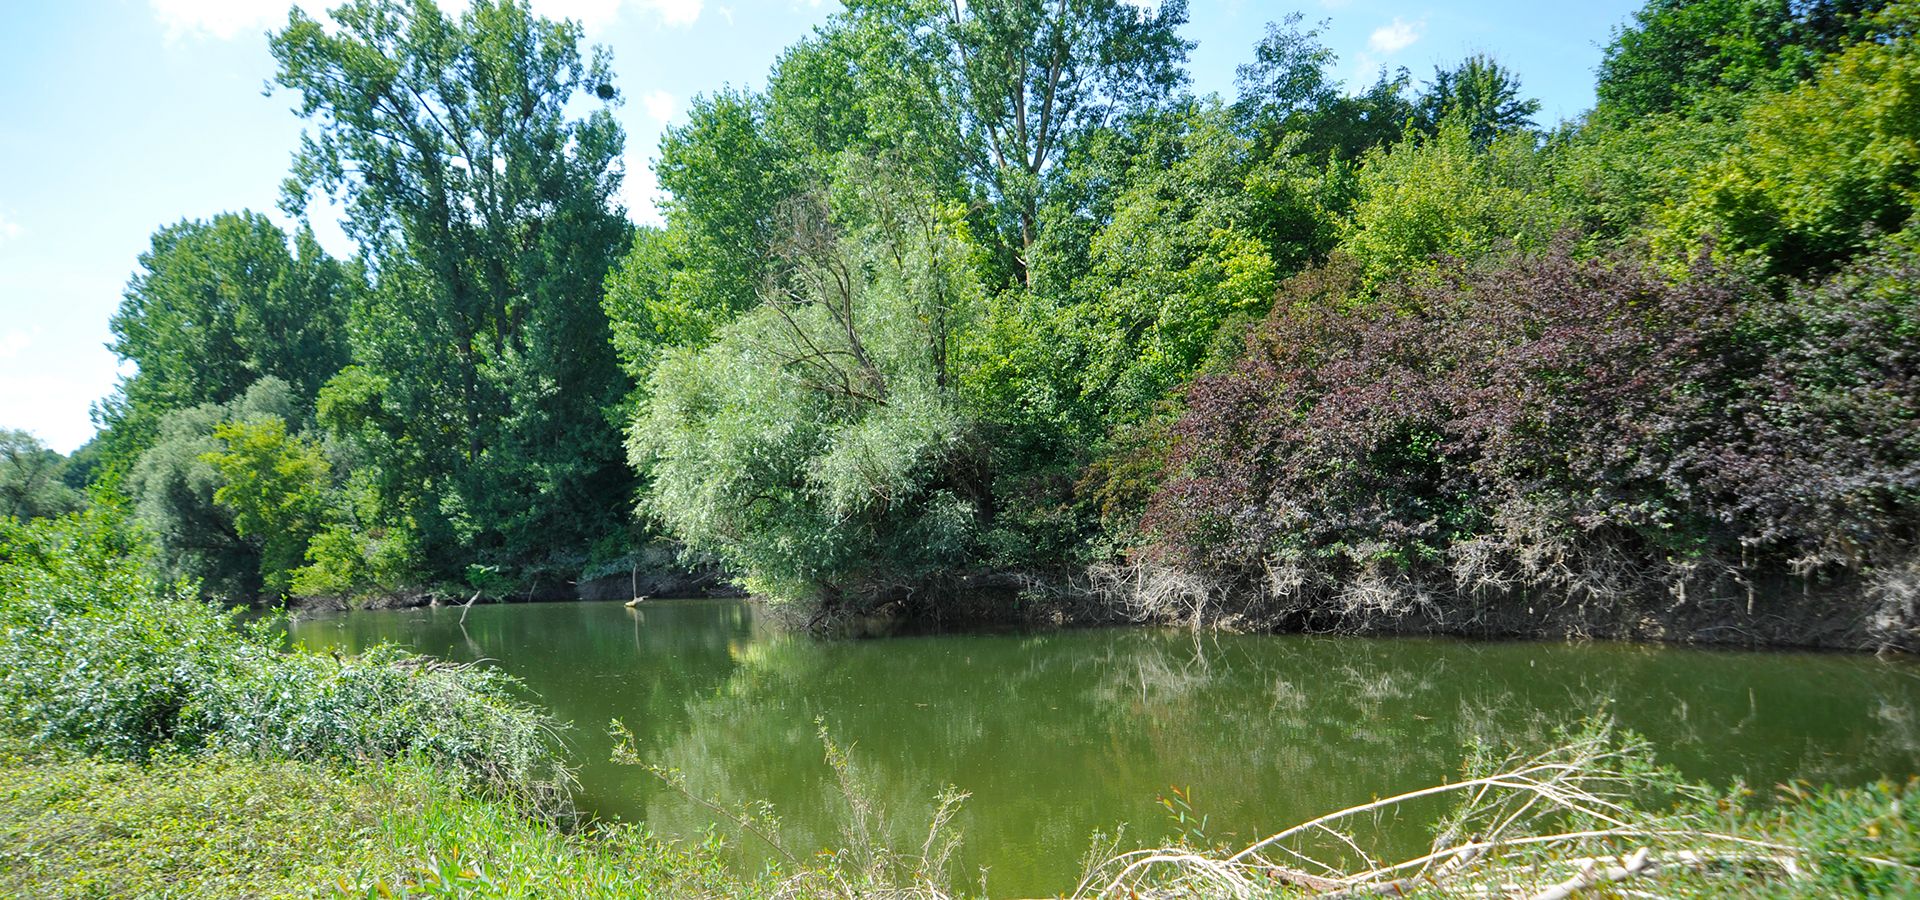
[[1576, 431]]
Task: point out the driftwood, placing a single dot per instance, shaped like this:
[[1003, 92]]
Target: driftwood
[[1518, 833]]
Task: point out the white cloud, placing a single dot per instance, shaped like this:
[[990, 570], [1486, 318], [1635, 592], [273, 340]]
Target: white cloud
[[1395, 36], [14, 341], [675, 12], [640, 192], [228, 19], [659, 104], [9, 229]]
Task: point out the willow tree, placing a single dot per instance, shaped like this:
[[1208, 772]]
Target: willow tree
[[487, 213], [1481, 93], [819, 444]]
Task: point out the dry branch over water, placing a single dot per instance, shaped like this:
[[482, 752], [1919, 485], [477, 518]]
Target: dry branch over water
[[1545, 826]]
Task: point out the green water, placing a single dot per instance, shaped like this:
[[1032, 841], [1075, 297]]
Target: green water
[[1058, 735]]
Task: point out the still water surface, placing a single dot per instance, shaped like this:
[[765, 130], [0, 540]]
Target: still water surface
[[1059, 735]]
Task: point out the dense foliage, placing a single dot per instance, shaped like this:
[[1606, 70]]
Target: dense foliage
[[1498, 379], [103, 658], [34, 480], [1566, 432], [1699, 56], [441, 402], [484, 210], [217, 306], [984, 289]]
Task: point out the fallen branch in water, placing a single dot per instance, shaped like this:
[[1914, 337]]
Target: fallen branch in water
[[1545, 827]]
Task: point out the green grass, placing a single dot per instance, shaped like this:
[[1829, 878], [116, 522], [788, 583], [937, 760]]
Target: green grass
[[223, 826], [212, 826], [152, 747]]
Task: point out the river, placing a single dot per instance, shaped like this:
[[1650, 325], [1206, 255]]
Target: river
[[1058, 735]]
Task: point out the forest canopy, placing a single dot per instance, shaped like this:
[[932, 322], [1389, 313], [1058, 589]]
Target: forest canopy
[[987, 290]]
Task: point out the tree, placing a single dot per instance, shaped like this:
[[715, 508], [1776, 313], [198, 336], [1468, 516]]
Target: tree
[[1817, 169], [174, 485], [725, 174], [1287, 78], [486, 210], [1181, 247], [1445, 195], [217, 306], [31, 483], [1022, 77], [276, 484], [816, 445], [1694, 56], [1480, 93]]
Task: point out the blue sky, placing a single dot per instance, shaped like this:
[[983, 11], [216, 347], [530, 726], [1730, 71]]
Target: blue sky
[[119, 116]]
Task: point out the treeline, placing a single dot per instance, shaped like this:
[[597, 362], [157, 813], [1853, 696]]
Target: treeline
[[985, 289], [437, 412]]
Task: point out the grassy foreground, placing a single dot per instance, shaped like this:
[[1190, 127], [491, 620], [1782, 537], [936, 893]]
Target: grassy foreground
[[216, 825], [152, 746], [225, 826]]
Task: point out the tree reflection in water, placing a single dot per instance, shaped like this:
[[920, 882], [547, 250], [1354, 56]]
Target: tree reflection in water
[[1058, 735]]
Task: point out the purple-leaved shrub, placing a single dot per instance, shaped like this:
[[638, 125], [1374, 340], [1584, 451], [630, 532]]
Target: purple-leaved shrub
[[1587, 439]]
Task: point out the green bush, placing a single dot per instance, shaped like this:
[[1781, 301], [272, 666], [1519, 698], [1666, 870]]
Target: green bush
[[276, 485], [1816, 169], [100, 657], [1448, 195], [817, 446]]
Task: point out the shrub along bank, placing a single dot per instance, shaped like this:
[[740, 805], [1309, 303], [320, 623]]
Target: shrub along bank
[[154, 746], [170, 752], [1563, 443]]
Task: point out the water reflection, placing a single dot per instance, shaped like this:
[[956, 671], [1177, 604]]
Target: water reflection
[[1057, 735]]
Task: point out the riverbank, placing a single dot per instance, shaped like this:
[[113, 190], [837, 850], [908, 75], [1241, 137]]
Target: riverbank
[[227, 826], [687, 584], [221, 826], [155, 747], [1849, 614], [1726, 608]]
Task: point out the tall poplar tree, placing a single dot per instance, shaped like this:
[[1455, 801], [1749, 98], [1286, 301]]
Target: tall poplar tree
[[486, 210]]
